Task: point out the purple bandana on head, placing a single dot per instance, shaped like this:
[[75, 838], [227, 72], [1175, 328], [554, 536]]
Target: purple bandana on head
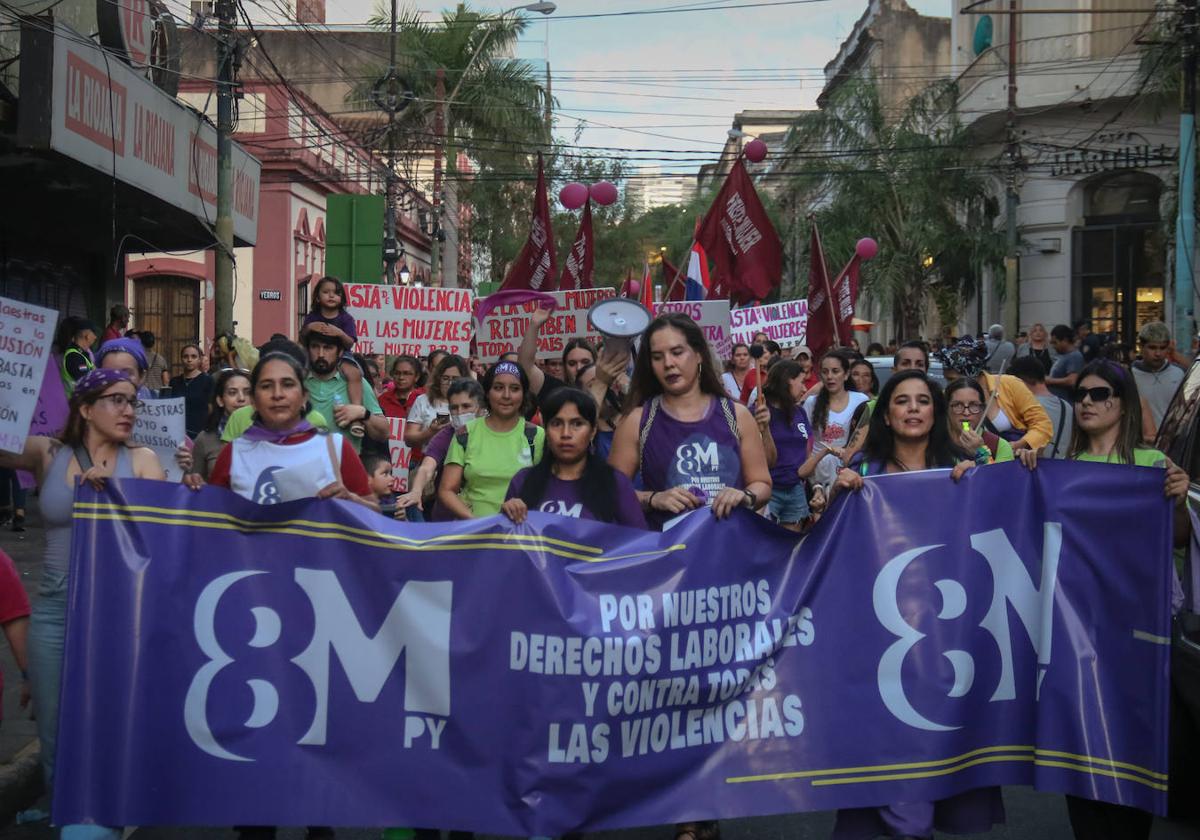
[[511, 368], [259, 432], [124, 345], [510, 297], [97, 380]]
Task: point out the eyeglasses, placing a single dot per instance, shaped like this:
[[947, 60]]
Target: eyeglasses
[[966, 408], [119, 401], [1099, 394]]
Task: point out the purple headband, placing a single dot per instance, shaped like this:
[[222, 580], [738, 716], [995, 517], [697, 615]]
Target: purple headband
[[511, 368], [124, 345], [1118, 369], [96, 380]]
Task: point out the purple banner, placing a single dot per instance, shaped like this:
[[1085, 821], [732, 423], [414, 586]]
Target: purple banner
[[314, 663]]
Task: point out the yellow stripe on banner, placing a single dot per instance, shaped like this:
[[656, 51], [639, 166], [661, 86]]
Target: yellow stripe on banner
[[332, 526], [480, 541], [839, 771], [955, 764], [991, 759]]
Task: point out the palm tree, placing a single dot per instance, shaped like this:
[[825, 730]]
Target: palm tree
[[495, 108], [907, 180]]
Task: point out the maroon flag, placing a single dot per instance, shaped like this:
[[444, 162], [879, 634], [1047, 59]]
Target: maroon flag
[[822, 332], [534, 267], [624, 290], [845, 295], [577, 272], [741, 240], [674, 284]]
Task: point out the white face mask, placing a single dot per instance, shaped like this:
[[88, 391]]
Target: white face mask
[[460, 420]]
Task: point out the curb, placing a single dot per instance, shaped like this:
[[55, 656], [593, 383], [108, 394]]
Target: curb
[[20, 781]]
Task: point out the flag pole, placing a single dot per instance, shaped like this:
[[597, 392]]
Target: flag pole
[[837, 339]]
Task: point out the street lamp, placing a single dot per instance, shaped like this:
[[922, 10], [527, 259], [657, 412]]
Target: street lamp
[[405, 274]]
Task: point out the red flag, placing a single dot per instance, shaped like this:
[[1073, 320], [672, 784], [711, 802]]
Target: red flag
[[673, 282], [624, 290], [821, 334], [647, 291], [845, 295], [740, 239], [534, 268], [577, 272]]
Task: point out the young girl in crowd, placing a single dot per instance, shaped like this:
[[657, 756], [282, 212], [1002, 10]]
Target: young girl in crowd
[[487, 452], [966, 401], [910, 432], [281, 437], [790, 434], [735, 376], [94, 447], [571, 480], [831, 411], [466, 402], [230, 392], [430, 413], [680, 411], [329, 307]]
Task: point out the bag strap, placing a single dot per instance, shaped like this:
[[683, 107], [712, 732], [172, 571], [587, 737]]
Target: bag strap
[[531, 439], [463, 437], [649, 410], [1062, 415], [731, 417], [83, 458]]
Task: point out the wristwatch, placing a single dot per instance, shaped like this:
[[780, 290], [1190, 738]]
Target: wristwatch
[[751, 499]]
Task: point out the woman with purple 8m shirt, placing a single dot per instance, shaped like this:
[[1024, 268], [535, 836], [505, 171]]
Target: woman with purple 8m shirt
[[692, 445]]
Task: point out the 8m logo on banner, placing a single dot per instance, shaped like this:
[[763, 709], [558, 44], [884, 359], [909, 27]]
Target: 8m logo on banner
[[900, 613], [417, 625]]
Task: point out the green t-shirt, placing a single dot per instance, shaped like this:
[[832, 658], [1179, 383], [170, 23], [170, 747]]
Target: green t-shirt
[[321, 393], [243, 418], [1004, 452], [1142, 457], [490, 461]]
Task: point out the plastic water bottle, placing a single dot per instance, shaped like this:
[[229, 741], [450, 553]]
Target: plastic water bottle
[[356, 428]]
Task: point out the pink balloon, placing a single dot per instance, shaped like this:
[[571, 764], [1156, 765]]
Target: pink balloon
[[603, 193], [633, 288], [573, 195], [866, 248], [756, 151]]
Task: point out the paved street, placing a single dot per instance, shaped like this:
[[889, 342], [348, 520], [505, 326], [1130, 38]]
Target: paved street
[[1031, 815]]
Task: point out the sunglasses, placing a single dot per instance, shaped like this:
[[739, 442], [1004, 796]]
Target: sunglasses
[[1100, 394]]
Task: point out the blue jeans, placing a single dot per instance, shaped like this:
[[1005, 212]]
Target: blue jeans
[[47, 635]]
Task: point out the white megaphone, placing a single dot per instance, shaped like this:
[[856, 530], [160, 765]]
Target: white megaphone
[[620, 321]]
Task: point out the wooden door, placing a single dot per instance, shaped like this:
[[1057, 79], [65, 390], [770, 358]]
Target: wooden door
[[169, 307]]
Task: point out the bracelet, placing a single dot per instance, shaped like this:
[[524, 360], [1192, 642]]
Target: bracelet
[[752, 499], [25, 676], [650, 500]]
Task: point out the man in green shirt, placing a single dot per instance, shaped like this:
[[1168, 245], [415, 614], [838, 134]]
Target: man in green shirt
[[331, 406]]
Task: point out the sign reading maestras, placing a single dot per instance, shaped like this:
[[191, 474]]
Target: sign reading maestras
[[410, 320], [718, 670]]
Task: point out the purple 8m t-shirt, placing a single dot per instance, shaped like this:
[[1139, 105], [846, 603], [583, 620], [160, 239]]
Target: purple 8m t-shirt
[[563, 498]]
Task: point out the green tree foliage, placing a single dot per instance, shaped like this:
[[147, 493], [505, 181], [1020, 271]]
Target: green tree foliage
[[910, 183]]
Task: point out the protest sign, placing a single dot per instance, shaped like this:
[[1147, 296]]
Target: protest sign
[[785, 323], [161, 426], [400, 453], [26, 332], [713, 318], [990, 631], [411, 320], [504, 327], [50, 413]]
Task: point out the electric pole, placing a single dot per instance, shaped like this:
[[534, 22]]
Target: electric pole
[[1185, 223], [1012, 154], [439, 130], [224, 224]]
